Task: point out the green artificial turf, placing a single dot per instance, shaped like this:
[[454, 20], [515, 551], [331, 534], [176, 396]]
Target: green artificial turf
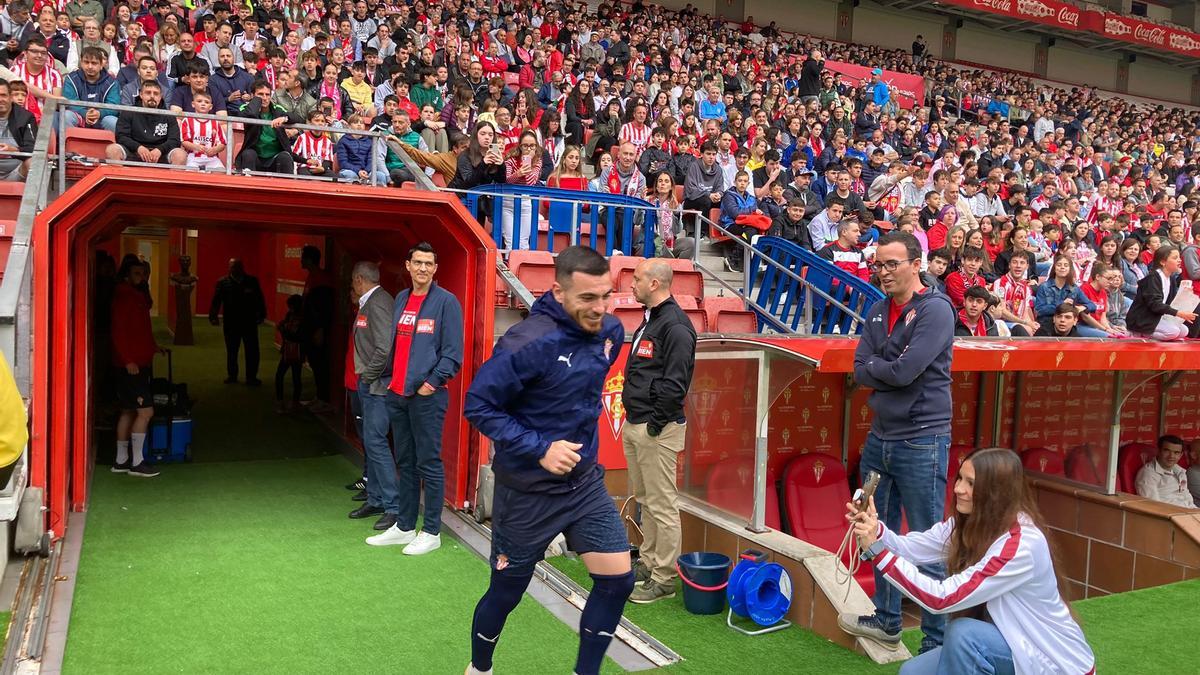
[[253, 567], [1118, 627], [234, 421]]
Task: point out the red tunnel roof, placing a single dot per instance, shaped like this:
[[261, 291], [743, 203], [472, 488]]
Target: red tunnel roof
[[836, 355]]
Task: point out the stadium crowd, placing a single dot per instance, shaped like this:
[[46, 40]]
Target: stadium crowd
[[1065, 206]]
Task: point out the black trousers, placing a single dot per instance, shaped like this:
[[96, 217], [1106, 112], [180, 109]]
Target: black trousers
[[702, 204], [237, 335], [318, 360], [280, 372], [281, 163]]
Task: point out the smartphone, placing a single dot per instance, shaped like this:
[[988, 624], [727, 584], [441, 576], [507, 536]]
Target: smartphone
[[498, 147], [526, 161], [862, 496]]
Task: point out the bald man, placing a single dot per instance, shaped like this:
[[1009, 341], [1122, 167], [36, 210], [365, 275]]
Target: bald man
[[657, 377]]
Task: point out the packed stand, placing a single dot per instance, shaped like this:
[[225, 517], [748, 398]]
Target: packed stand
[[1090, 196]]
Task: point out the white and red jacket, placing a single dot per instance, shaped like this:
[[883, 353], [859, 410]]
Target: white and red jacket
[[1015, 294], [1102, 204], [1015, 580]]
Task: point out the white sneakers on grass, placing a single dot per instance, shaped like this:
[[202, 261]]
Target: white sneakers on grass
[[415, 543]]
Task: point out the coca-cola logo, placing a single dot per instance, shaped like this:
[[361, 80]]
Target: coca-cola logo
[[1116, 27], [1156, 35], [1068, 17], [1034, 8], [998, 5]]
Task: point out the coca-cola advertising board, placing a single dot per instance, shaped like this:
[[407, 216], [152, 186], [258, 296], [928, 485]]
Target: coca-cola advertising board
[[909, 88], [1072, 18]]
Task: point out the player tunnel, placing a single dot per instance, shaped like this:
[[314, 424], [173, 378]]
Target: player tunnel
[[265, 222]]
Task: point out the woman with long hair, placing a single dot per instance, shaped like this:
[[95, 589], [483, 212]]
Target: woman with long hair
[[482, 163], [608, 127], [1132, 267], [1061, 287], [580, 112], [1001, 584], [668, 242], [976, 239], [550, 135], [522, 166], [568, 173], [1151, 314]]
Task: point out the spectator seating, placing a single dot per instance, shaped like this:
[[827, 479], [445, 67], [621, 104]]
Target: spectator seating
[[87, 143], [1130, 459], [10, 200], [730, 486], [621, 268], [6, 237], [815, 492], [686, 281], [1044, 461], [727, 314], [698, 317], [535, 269], [628, 310], [1087, 464]]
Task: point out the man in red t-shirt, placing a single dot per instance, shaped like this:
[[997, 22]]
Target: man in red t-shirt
[[427, 354], [133, 350]]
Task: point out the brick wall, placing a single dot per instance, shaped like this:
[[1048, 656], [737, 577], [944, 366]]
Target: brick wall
[[1116, 543]]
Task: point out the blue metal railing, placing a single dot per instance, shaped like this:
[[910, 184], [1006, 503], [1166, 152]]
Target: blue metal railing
[[579, 215], [830, 301]]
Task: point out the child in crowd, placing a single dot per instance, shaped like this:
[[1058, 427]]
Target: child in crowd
[[204, 140], [290, 357]]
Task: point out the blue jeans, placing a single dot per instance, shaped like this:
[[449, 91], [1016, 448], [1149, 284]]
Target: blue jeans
[[417, 431], [972, 646], [1090, 332], [1042, 268], [381, 177], [913, 475], [382, 489], [73, 119]]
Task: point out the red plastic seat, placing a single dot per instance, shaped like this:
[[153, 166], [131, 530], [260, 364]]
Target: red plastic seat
[[1044, 461], [730, 486], [534, 269], [628, 310], [6, 243], [1130, 459], [10, 200], [511, 79], [686, 279], [621, 267], [1087, 464], [727, 314], [815, 492], [87, 143]]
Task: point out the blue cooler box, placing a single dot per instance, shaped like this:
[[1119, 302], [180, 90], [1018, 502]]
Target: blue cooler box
[[181, 440]]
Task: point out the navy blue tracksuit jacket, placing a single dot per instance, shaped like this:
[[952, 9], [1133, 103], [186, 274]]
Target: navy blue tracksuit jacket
[[543, 384]]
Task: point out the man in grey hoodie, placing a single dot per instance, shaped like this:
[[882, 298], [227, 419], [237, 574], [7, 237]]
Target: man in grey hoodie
[[705, 183], [904, 356]]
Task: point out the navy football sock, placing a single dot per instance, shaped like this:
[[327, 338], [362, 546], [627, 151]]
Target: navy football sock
[[600, 617], [501, 598]]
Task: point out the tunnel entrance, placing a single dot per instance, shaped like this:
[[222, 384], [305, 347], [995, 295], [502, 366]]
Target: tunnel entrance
[[213, 218]]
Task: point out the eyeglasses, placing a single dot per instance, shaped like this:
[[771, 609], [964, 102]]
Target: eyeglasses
[[889, 265]]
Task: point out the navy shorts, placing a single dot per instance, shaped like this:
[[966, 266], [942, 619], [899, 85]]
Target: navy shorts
[[524, 523]]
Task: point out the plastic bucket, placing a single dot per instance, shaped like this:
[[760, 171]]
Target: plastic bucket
[[705, 576]]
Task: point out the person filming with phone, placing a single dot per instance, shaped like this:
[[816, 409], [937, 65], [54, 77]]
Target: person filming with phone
[[1001, 586], [904, 357]]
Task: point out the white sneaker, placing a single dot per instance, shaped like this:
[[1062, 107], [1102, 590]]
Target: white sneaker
[[424, 543], [393, 536]]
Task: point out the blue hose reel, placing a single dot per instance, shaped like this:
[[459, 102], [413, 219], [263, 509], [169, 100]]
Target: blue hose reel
[[760, 591]]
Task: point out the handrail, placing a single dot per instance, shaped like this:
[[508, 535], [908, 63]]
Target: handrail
[[227, 121], [522, 197], [15, 289], [825, 313]]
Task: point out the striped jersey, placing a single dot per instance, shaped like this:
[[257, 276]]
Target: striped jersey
[[309, 145], [201, 132], [1105, 205], [1015, 294], [48, 79], [638, 136]]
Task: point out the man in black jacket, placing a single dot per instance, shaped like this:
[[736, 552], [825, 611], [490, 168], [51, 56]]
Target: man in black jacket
[[810, 77], [144, 136], [245, 309], [18, 134], [266, 148], [657, 378], [973, 319], [1063, 323]]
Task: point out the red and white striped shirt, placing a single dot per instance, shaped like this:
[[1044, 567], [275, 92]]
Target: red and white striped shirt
[[510, 136], [310, 145], [1015, 295], [201, 132], [48, 80], [1106, 205], [638, 135]]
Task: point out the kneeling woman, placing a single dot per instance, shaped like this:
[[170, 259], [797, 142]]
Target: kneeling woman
[[1000, 583]]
